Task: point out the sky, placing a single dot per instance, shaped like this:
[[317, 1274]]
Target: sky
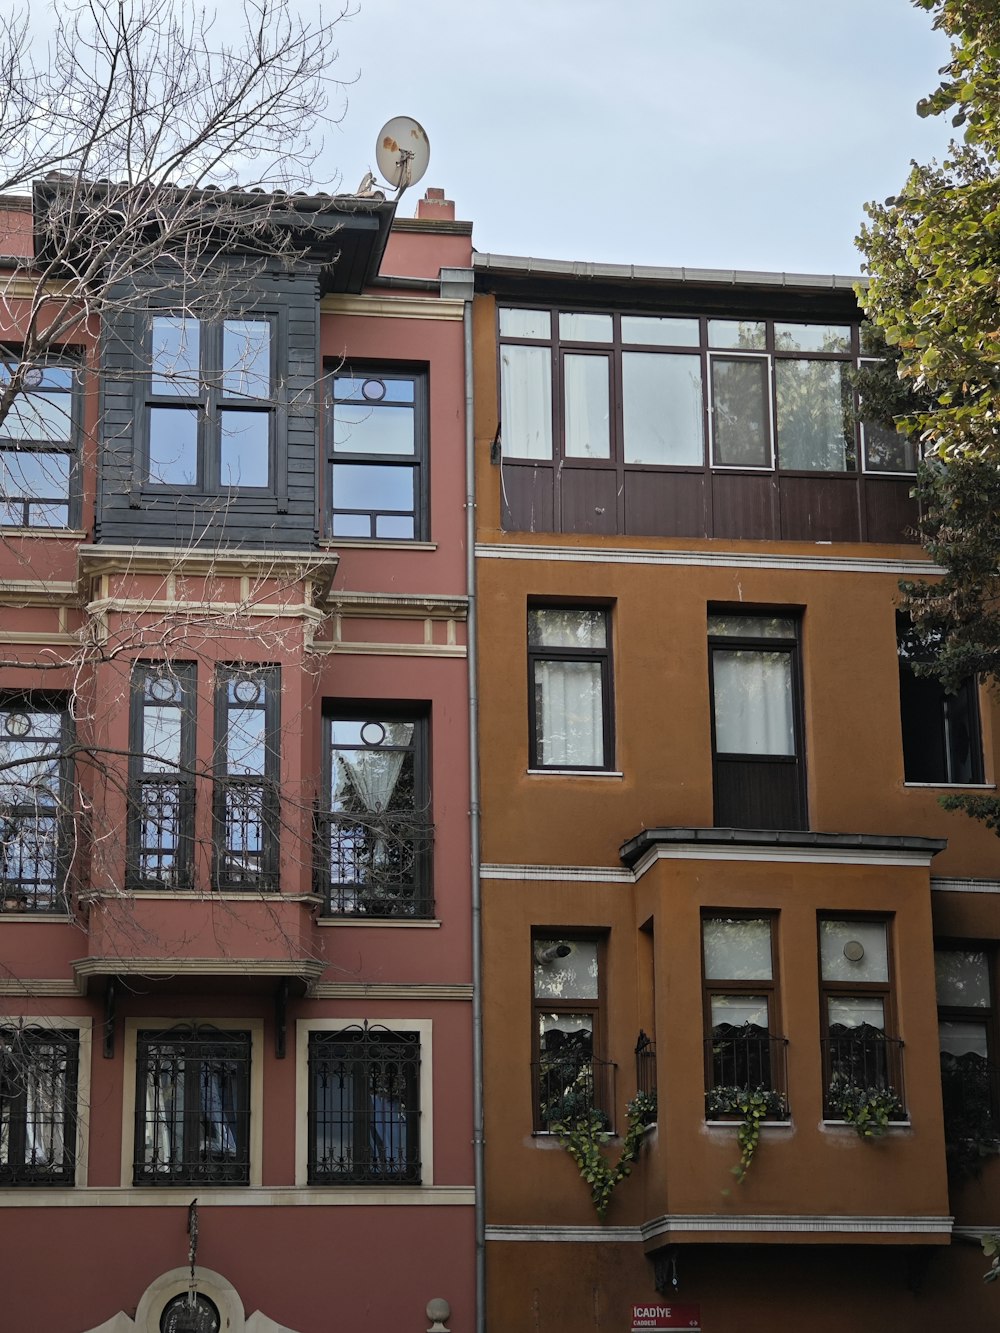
[[706, 133]]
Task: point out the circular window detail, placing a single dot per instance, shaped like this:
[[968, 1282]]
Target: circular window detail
[[182, 1316], [17, 724], [32, 378], [373, 733], [373, 390], [247, 691], [163, 689]]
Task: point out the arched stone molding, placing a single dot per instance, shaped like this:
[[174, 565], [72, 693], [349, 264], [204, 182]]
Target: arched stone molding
[[173, 1283]]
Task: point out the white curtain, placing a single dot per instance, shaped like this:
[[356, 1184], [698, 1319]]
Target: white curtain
[[45, 1103], [569, 714], [526, 401], [753, 702]]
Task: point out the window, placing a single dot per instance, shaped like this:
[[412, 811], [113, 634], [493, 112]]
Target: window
[[377, 450], [364, 1106], [38, 1098], [569, 667], [192, 1107], [161, 788], [375, 839], [34, 807], [859, 1052], [941, 734], [884, 449], [756, 721], [38, 446], [967, 1025], [210, 403], [570, 1080], [741, 1050], [246, 777]]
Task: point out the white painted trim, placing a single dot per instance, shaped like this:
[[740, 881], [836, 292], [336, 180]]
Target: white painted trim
[[564, 874], [374, 544], [952, 786], [405, 606], [389, 649], [243, 1196], [574, 772], [35, 918], [776, 854], [976, 1233], [772, 1223], [255, 1027], [965, 885], [424, 1027], [614, 555], [393, 307], [47, 986]]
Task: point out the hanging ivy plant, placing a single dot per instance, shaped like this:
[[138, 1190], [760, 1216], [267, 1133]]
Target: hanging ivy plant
[[585, 1138], [753, 1105], [869, 1110]]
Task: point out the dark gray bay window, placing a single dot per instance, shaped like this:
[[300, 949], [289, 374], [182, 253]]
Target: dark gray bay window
[[377, 453], [210, 403], [39, 439]]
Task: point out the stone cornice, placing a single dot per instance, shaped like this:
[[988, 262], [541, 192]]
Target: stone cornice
[[393, 307]]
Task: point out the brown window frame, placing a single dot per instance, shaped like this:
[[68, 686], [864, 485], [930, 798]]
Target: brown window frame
[[989, 1017], [602, 656], [722, 986], [885, 990], [602, 1094]]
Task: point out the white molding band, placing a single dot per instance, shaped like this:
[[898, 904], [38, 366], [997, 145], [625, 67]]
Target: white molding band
[[704, 1223], [398, 606], [360, 990], [614, 555], [243, 1196], [564, 874], [41, 986], [965, 885], [393, 307]]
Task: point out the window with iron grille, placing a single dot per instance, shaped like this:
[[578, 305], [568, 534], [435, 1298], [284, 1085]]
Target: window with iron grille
[[861, 1055], [34, 804], [161, 787], [364, 1107], [374, 852], [246, 781], [970, 1076], [39, 445], [377, 449], [742, 1049], [38, 1085], [570, 1078], [192, 1107]]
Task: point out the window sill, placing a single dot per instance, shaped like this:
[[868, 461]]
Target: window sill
[[738, 1120], [380, 921], [50, 918], [849, 1124], [952, 786], [375, 544], [64, 534], [574, 773]]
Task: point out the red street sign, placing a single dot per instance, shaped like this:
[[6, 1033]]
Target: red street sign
[[665, 1316]]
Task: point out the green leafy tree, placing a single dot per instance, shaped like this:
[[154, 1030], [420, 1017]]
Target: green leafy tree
[[933, 260]]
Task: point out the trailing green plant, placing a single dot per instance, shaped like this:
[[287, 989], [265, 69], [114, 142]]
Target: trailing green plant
[[754, 1105], [991, 1248], [869, 1110], [585, 1137]]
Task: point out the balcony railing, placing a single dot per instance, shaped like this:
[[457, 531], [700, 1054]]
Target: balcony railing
[[862, 1060], [376, 866], [32, 859], [745, 1056], [645, 1065], [969, 1091], [568, 1088]]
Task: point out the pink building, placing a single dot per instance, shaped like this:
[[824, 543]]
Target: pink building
[[235, 902]]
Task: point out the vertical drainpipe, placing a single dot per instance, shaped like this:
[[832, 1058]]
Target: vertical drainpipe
[[458, 284]]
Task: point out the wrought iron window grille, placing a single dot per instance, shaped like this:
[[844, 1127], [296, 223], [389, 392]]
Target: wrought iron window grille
[[35, 816], [192, 1107], [364, 1107], [970, 1085], [745, 1055], [38, 1110], [569, 1085], [645, 1065], [865, 1059]]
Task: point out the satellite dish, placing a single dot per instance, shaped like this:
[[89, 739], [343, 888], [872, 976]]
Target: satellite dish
[[402, 152]]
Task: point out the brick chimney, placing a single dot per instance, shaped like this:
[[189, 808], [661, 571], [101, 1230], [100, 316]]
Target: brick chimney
[[435, 207]]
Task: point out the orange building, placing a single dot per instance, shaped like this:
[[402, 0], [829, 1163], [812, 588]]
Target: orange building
[[715, 868]]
